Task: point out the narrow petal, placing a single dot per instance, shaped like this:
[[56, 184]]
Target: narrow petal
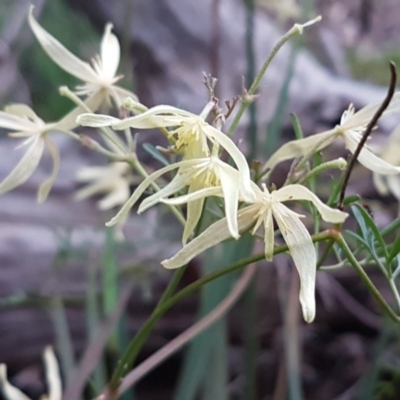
[[380, 183], [110, 52], [193, 213], [269, 237], [393, 183], [96, 120], [17, 123], [302, 250], [124, 211], [300, 192], [22, 110], [46, 186], [363, 116], [238, 158], [115, 198], [194, 196], [9, 391], [214, 234], [90, 190], [25, 168], [53, 377], [156, 117], [176, 185], [368, 159], [230, 189], [300, 148], [60, 55]]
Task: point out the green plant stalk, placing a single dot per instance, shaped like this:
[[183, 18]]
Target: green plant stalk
[[391, 228], [249, 97], [365, 278], [334, 164], [136, 344]]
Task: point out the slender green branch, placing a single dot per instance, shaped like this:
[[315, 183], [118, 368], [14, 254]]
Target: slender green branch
[[249, 97], [339, 163], [365, 278]]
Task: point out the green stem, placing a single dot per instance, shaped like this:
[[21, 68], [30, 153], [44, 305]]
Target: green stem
[[138, 341], [249, 97], [340, 163], [365, 278]]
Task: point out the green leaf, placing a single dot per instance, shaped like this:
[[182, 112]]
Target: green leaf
[[155, 153], [366, 223], [395, 250]]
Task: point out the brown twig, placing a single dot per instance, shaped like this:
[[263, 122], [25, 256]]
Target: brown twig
[[368, 130]]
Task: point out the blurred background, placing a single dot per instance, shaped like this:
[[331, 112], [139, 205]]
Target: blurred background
[[62, 273]]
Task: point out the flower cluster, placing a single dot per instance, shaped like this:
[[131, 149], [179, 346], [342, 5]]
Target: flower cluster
[[210, 164]]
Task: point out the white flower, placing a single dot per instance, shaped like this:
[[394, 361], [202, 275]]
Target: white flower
[[113, 180], [190, 132], [351, 128], [265, 208], [204, 177], [386, 184], [21, 118], [52, 377], [100, 77]]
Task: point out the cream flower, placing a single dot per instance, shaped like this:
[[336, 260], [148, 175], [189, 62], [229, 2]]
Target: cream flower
[[390, 153], [265, 208], [113, 180], [21, 118], [204, 177], [100, 77], [190, 132], [351, 128], [52, 377]]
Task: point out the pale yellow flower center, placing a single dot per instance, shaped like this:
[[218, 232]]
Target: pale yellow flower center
[[190, 132]]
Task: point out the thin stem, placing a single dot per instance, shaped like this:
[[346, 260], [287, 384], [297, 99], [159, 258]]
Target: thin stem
[[108, 133], [368, 130], [365, 278], [173, 346], [339, 163], [136, 344], [249, 97]]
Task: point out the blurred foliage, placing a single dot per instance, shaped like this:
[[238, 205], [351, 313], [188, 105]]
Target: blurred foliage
[[77, 35], [372, 68]]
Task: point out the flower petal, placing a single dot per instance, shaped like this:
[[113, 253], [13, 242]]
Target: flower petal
[[368, 159], [17, 123], [9, 391], [239, 159], [269, 237], [110, 52], [60, 55], [229, 183], [300, 192], [96, 120], [300, 148], [176, 185], [160, 116], [25, 168], [363, 116], [46, 186], [53, 377], [393, 183], [116, 197], [302, 250], [193, 213], [123, 212], [214, 234], [380, 183]]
